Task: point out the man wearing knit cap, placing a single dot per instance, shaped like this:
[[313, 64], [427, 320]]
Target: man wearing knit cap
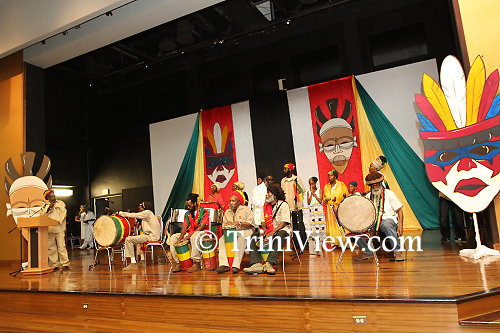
[[389, 218], [56, 210], [276, 228], [294, 194], [240, 217], [378, 164], [240, 186]]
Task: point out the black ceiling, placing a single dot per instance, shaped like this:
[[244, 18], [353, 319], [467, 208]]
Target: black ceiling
[[225, 22]]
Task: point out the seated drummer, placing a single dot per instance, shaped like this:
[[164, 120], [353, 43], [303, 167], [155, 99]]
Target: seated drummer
[[275, 224], [196, 220], [391, 216], [241, 217], [150, 226]]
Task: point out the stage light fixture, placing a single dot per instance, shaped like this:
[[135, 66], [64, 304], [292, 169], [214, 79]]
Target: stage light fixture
[[109, 13], [65, 33], [43, 42]]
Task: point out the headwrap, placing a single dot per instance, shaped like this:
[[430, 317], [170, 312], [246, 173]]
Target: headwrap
[[354, 183], [46, 193], [378, 163], [334, 172], [240, 185], [374, 178], [239, 194], [216, 186], [289, 166]]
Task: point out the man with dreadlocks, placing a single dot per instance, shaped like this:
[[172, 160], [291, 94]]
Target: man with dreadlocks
[[389, 216]]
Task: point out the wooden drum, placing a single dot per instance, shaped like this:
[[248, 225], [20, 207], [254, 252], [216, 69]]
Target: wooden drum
[[356, 213], [111, 230]]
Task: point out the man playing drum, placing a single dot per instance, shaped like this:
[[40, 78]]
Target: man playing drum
[[276, 225], [389, 215], [150, 227], [238, 218], [196, 220]]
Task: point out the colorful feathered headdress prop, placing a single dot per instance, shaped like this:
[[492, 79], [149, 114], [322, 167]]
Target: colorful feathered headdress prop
[[458, 107]]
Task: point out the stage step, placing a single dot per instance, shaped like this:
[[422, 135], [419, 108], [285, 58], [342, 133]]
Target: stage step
[[487, 320]]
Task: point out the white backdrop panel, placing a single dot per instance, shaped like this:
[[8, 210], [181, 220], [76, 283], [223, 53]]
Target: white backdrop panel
[[394, 92], [169, 140]]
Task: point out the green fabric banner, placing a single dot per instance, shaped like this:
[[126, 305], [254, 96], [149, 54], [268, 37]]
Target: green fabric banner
[[408, 168], [184, 182]]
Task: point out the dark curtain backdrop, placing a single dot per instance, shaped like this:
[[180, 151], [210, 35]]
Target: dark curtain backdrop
[[272, 134]]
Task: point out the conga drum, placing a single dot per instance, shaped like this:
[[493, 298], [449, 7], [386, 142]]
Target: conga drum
[[184, 255], [208, 254], [356, 214], [229, 240], [111, 230]]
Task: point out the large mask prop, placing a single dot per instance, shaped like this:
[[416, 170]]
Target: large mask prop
[[460, 131], [25, 189], [336, 134], [219, 155]]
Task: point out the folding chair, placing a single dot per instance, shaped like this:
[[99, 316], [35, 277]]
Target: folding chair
[[161, 242]]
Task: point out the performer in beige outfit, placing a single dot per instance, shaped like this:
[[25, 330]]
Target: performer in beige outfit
[[150, 227], [56, 210]]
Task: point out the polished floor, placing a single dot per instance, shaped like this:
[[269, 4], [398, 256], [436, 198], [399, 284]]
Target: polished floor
[[436, 273]]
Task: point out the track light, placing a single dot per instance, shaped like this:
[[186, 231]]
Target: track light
[[109, 13]]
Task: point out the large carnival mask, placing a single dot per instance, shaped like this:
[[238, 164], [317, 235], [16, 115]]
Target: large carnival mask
[[219, 156], [26, 191], [336, 134], [460, 130]]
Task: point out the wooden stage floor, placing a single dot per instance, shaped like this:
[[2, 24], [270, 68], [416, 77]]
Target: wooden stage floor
[[437, 276]]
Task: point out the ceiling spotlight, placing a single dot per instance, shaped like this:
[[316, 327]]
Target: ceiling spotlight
[[146, 66], [65, 33], [221, 41], [43, 42], [109, 13], [77, 27], [288, 21], [90, 85]]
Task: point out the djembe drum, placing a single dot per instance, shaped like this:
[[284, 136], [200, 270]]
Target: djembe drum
[[356, 214], [184, 255]]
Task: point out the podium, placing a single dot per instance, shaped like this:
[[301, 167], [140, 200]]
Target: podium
[[38, 257]]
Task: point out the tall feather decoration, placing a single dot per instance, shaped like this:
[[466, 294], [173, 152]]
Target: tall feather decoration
[[453, 85], [429, 112], [489, 93], [494, 109], [475, 84], [224, 139], [218, 138], [436, 97], [427, 126]]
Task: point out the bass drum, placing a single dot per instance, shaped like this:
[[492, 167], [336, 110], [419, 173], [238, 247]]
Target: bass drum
[[356, 214], [111, 230]]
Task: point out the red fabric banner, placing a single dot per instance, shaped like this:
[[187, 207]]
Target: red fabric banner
[[336, 130], [220, 151]]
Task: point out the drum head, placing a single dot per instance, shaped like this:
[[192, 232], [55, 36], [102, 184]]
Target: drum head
[[356, 213], [104, 230]]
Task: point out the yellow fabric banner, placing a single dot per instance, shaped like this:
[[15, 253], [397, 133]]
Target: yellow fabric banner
[[370, 149]]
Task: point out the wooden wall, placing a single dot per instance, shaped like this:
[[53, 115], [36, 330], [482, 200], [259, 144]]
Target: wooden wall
[[11, 142]]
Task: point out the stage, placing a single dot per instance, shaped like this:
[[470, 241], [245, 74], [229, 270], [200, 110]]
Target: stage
[[433, 290]]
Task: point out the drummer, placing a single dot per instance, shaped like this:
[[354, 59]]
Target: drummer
[[196, 220], [150, 226], [240, 217], [389, 212]]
